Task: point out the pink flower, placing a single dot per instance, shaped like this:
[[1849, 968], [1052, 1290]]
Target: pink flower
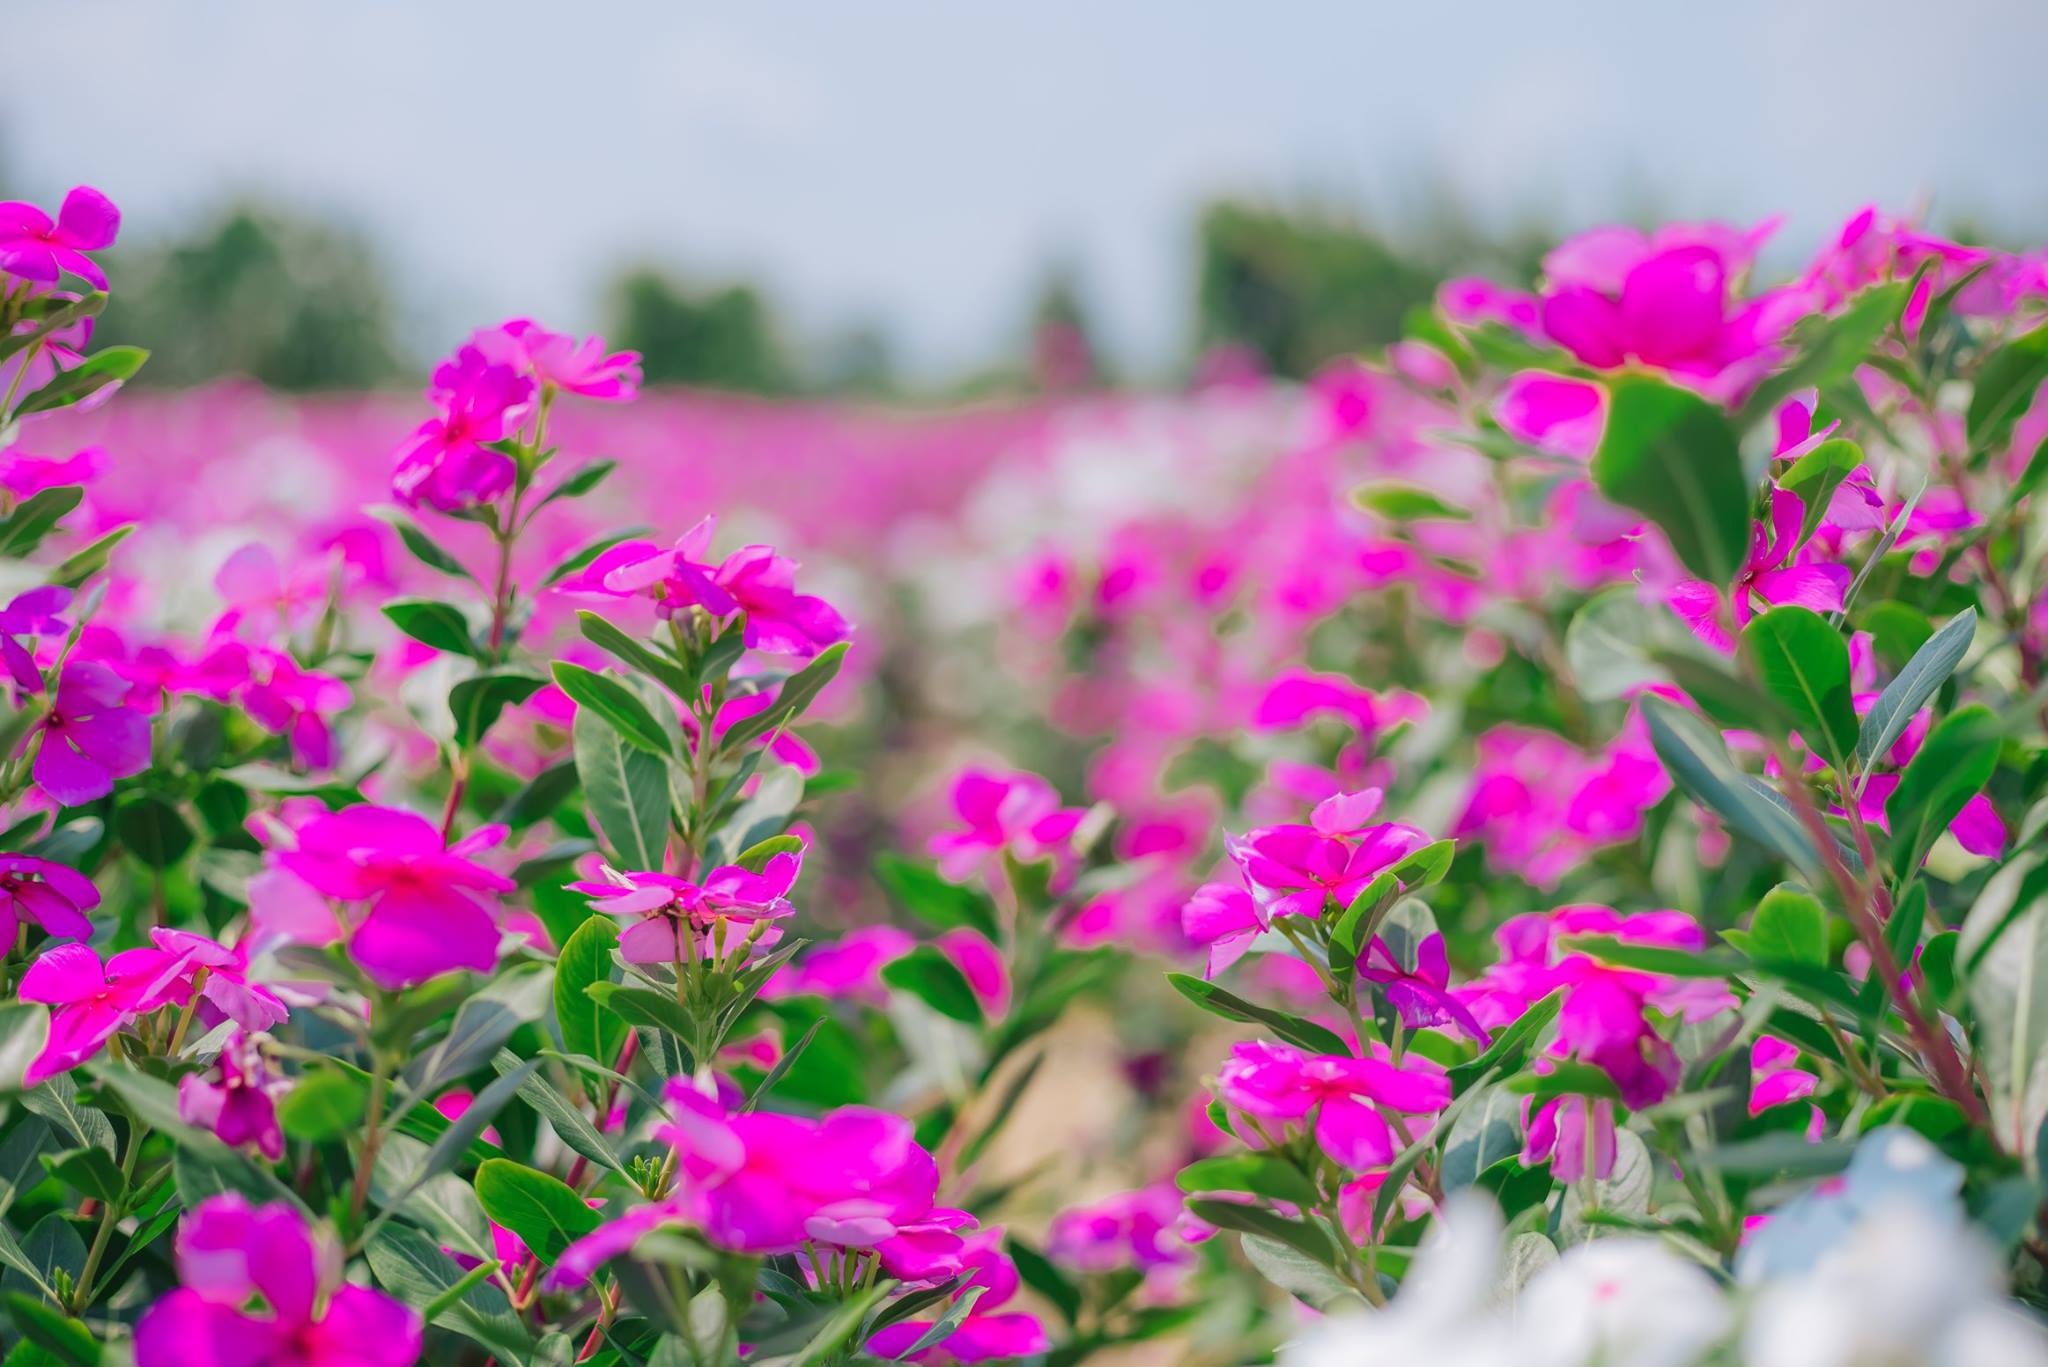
[[1340, 1098], [558, 360], [23, 475], [1569, 1132], [236, 1100], [848, 969], [1224, 918], [1135, 1229], [1605, 1016], [29, 370], [1298, 696], [32, 614], [1298, 870], [1777, 1080], [984, 1334], [280, 695], [761, 1182], [91, 1002], [35, 248], [446, 463], [230, 1254], [1553, 413], [674, 921], [1421, 994], [753, 581], [1472, 300], [1769, 574], [52, 895], [430, 908], [90, 736], [1003, 813], [226, 992]]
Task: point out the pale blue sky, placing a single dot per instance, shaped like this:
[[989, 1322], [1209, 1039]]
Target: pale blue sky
[[917, 163]]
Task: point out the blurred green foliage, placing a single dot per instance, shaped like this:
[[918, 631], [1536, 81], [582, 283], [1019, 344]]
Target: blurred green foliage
[[723, 337], [293, 302]]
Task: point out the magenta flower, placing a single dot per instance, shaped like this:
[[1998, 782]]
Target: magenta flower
[[1298, 870], [558, 360], [1003, 813], [260, 1288], [446, 464], [1341, 1099], [280, 695], [52, 895], [236, 1100], [1299, 696], [428, 907], [759, 1182], [753, 581], [1225, 919], [225, 992], [24, 475], [671, 920], [90, 736], [847, 969], [984, 1334], [1775, 1077], [1421, 994], [1568, 1132], [35, 248], [91, 1002], [1135, 1229], [32, 614], [1774, 573], [1553, 413]]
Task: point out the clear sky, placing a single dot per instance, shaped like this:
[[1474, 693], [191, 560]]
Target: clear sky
[[918, 163]]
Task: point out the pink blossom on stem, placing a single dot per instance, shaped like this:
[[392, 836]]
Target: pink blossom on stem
[[236, 1099], [1774, 573], [52, 895], [90, 1002], [259, 1288], [90, 736], [673, 920], [35, 247], [1003, 813], [1341, 1099]]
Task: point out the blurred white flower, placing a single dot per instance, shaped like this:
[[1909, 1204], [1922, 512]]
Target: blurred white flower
[[1621, 1303]]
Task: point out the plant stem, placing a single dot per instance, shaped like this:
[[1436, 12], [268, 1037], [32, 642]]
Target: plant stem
[[373, 1138], [82, 1291]]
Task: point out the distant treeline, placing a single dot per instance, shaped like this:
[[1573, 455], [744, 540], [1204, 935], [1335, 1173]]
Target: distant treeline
[[300, 304]]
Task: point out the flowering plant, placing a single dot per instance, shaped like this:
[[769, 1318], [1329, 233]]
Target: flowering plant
[[1542, 857]]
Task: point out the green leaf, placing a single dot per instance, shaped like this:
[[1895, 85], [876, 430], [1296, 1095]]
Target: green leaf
[[56, 1100], [1302, 1277], [1566, 1077], [1261, 1174], [24, 1029], [1804, 663], [411, 1267], [1305, 1034], [796, 693], [64, 1338], [644, 1006], [2006, 384], [324, 1104], [607, 637], [1298, 1235], [88, 560], [481, 1025], [1699, 763], [568, 1121], [35, 518], [46, 314], [444, 1153], [1608, 645], [1920, 680], [586, 958], [542, 1210], [90, 1172], [582, 558], [423, 547], [1897, 630], [618, 704], [626, 790], [478, 700], [584, 479], [440, 625], [1791, 926], [152, 829], [927, 974], [1676, 963], [1830, 348], [1036, 1271], [1672, 456], [1406, 503], [921, 890], [539, 799], [1511, 1046], [1815, 476], [1952, 765], [109, 366]]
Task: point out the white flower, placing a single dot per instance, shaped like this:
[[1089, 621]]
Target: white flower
[[1621, 1303]]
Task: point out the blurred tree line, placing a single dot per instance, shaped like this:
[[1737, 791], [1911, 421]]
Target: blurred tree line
[[300, 304]]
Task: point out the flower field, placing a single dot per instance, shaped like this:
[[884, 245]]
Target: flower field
[[1525, 849]]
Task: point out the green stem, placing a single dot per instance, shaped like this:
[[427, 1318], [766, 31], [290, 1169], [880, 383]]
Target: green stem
[[83, 1291]]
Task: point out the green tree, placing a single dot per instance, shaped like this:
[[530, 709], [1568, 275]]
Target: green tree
[[723, 337], [294, 303]]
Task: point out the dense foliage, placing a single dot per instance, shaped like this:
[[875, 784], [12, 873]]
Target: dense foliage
[[1551, 845]]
